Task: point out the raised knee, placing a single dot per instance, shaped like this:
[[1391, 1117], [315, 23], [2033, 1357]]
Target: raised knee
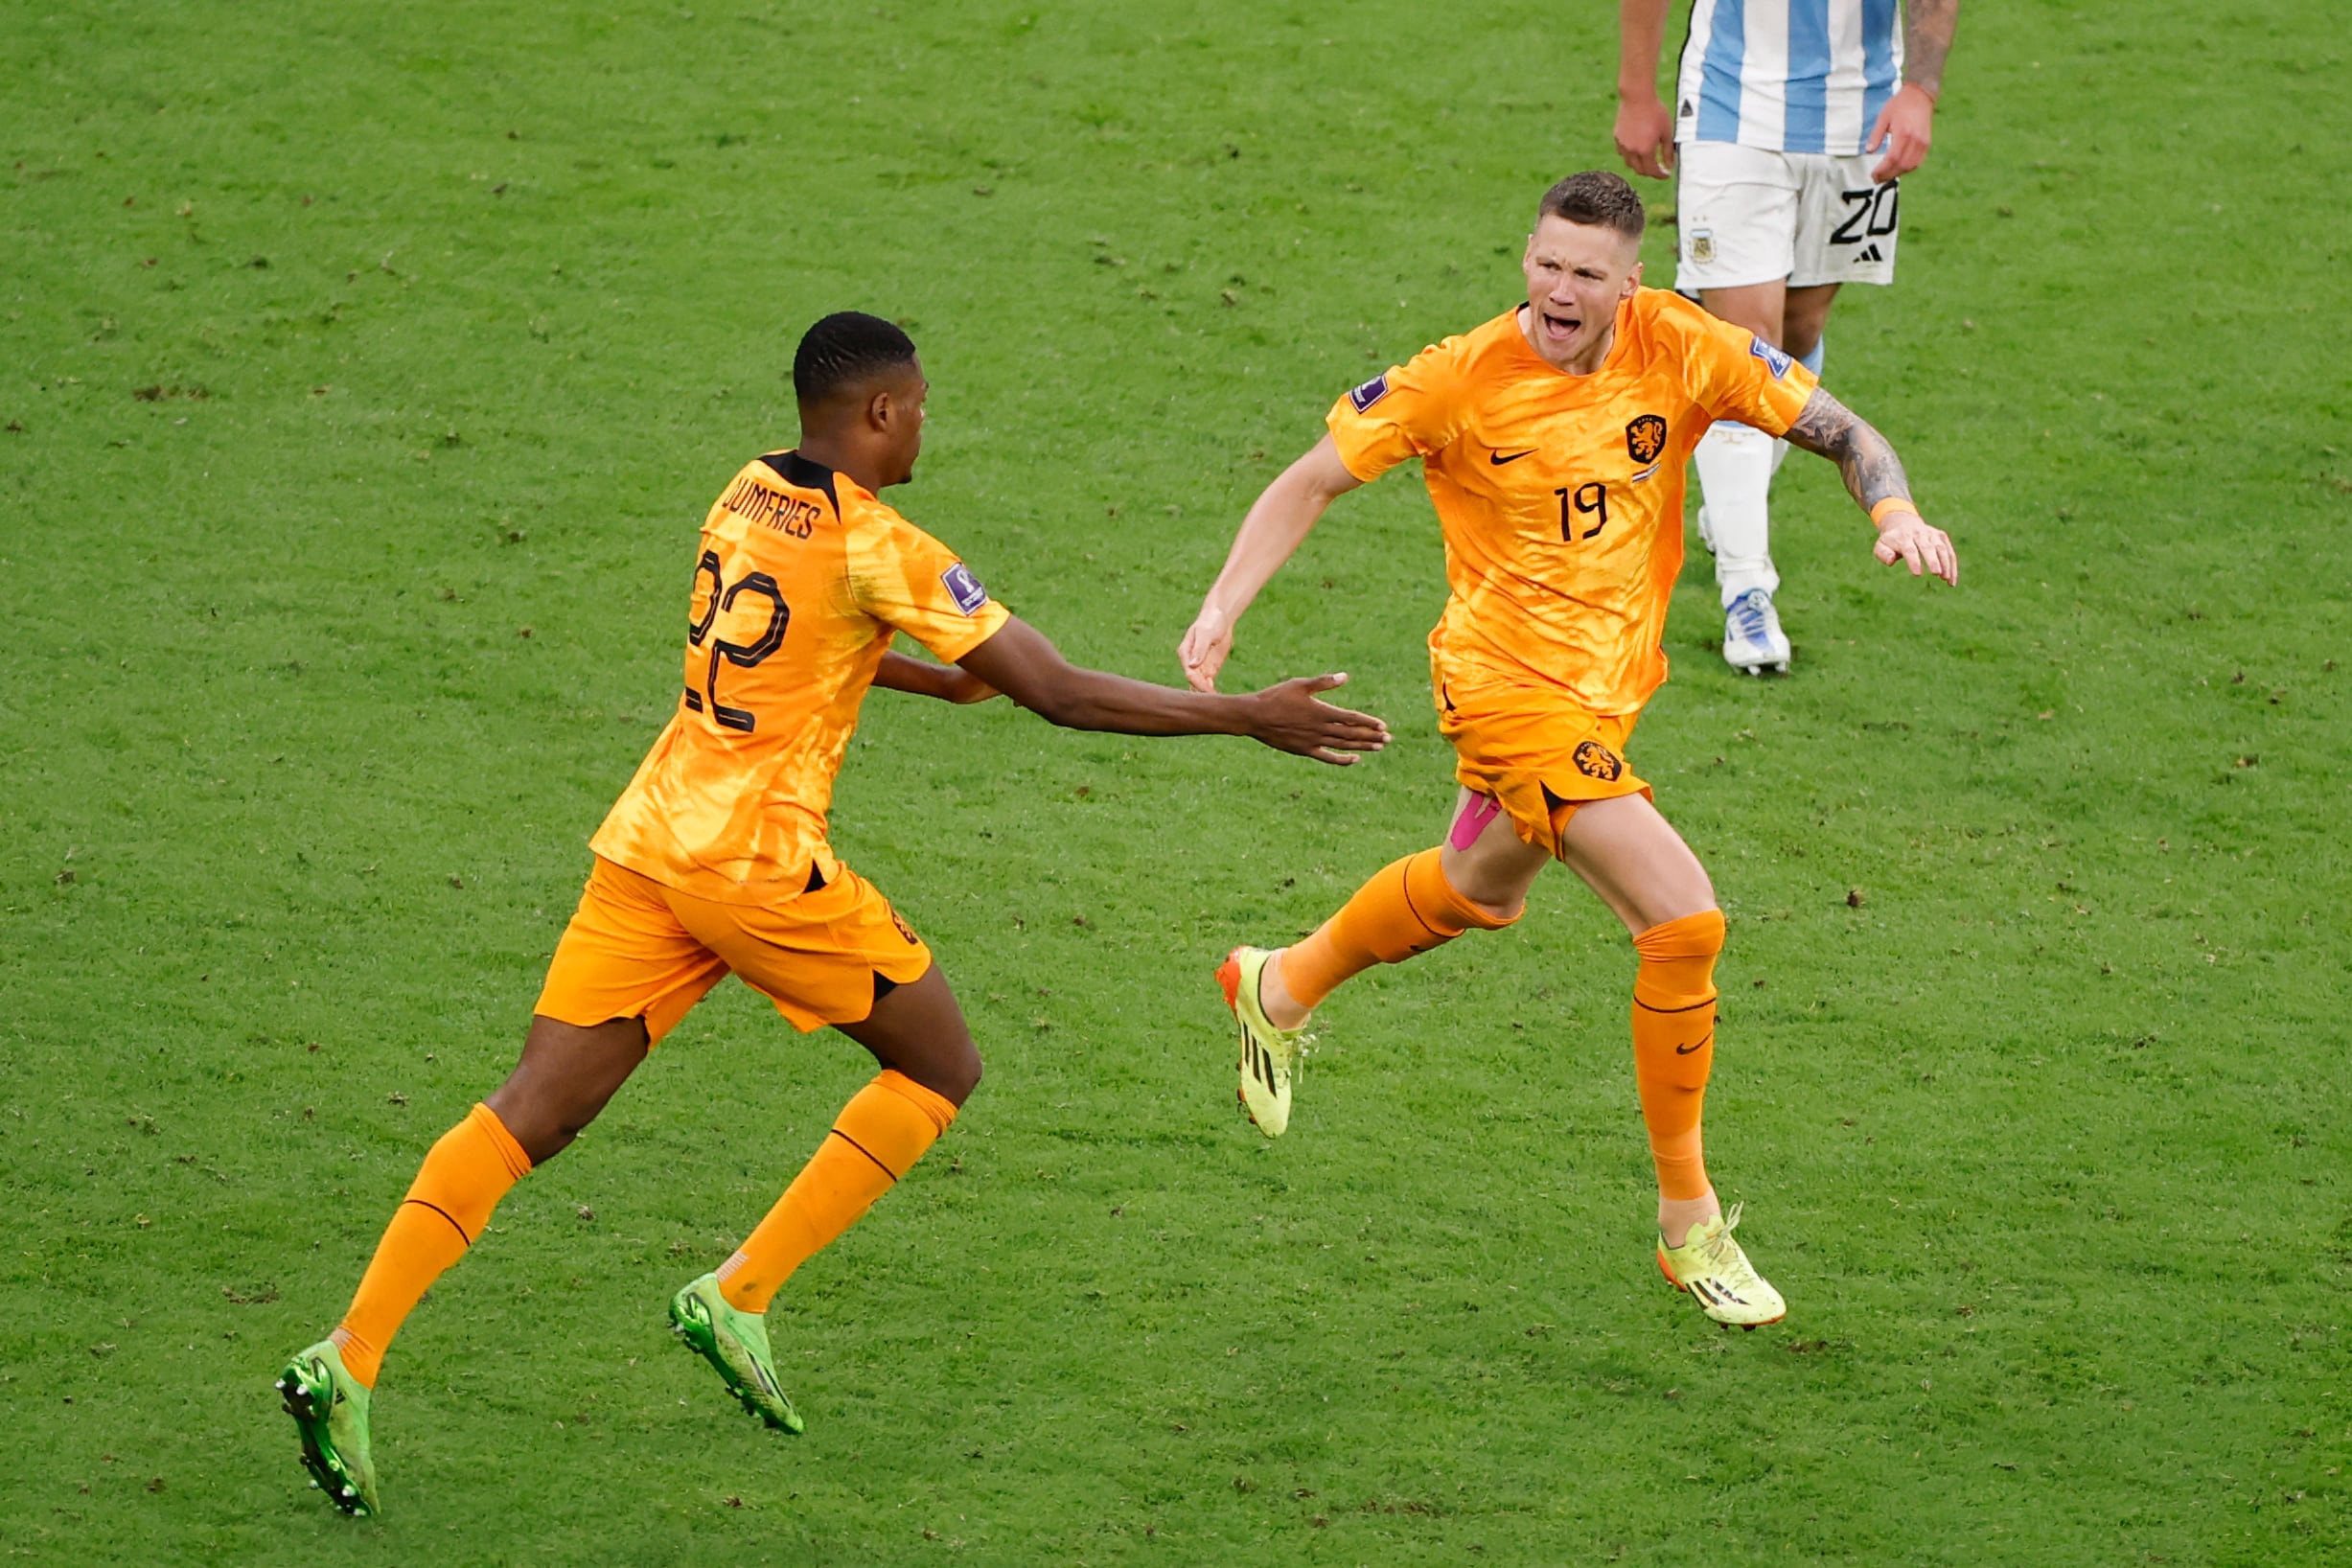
[[1479, 914], [1696, 936], [1471, 903]]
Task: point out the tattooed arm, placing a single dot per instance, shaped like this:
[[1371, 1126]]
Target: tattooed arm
[[1927, 40], [1874, 476]]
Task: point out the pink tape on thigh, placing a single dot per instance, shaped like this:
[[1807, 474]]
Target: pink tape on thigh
[[1473, 820]]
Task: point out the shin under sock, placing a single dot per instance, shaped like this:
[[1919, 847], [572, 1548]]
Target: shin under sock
[[879, 1135], [463, 1178], [1673, 1042], [1407, 908]]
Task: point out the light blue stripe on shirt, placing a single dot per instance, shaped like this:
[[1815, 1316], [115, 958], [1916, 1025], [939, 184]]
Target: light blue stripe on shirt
[[1718, 92], [1806, 128], [1877, 59]]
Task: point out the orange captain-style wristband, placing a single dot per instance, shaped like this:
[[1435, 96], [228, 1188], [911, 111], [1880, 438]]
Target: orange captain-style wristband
[[1891, 505]]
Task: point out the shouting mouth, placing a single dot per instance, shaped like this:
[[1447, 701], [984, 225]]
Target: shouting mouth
[[1558, 328]]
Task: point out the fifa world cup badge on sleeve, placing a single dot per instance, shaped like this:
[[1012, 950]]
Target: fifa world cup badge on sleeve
[[1370, 393], [1774, 359], [964, 587]]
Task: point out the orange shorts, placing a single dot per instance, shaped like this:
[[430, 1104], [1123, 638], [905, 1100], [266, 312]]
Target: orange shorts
[[1539, 754], [638, 949]]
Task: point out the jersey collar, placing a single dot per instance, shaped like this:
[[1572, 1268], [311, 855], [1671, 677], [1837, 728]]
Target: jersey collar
[[802, 473]]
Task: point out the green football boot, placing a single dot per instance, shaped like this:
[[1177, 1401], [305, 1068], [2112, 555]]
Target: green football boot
[[330, 1410], [737, 1343]]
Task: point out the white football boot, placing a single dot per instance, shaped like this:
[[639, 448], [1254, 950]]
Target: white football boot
[[1753, 640]]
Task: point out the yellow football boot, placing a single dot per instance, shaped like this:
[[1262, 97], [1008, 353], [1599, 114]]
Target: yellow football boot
[[1269, 1057], [1710, 1266]]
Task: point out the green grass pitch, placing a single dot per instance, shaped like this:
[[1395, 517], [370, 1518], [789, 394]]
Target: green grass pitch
[[365, 373]]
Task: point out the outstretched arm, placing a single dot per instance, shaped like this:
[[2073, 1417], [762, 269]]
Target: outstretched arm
[[1644, 129], [1907, 123], [1021, 662], [945, 682], [1276, 525], [1875, 478]]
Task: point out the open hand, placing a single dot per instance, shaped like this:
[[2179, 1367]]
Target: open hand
[[1290, 718], [1907, 538], [1204, 648]]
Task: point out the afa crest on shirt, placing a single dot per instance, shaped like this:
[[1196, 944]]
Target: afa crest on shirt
[[1645, 437], [1594, 760]]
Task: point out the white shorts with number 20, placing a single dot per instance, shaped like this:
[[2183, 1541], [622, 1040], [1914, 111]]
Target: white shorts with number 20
[[1748, 216]]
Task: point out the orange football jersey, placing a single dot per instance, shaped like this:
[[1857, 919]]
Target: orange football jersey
[[1560, 496], [804, 578]]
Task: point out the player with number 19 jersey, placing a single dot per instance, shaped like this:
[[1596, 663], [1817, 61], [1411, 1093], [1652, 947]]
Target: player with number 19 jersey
[[1560, 496]]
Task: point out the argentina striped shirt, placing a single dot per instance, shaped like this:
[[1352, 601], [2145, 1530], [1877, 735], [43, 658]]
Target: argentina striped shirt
[[1788, 76]]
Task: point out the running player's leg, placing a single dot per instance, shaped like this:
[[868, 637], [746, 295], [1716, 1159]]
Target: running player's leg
[[566, 1074], [837, 953], [917, 1035], [927, 1063], [1476, 879], [1519, 754], [622, 976], [1634, 859], [1409, 907]]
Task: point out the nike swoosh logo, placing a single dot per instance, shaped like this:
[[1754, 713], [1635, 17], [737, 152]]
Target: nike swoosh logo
[[1498, 459], [1685, 1050]]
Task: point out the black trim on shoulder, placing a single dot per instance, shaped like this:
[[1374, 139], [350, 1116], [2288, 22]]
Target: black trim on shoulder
[[795, 469]]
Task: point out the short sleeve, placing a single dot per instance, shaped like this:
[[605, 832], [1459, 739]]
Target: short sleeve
[[1410, 410], [1733, 374], [911, 581]]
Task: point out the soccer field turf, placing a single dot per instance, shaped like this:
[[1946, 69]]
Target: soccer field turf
[[367, 375]]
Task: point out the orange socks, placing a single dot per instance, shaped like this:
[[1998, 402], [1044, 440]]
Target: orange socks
[[460, 1183], [1673, 1042], [1406, 908], [881, 1132], [879, 1135]]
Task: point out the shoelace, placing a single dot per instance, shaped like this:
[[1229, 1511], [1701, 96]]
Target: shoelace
[[1748, 616], [1717, 1248]]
